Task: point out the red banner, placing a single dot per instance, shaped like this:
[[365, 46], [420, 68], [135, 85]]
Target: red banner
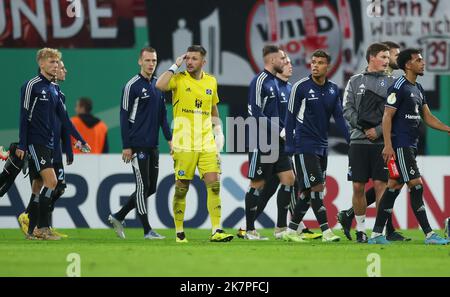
[[66, 23]]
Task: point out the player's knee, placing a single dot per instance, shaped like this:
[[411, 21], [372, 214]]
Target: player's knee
[[180, 192], [257, 184], [51, 184], [287, 178], [394, 184], [37, 185], [358, 189], [215, 187], [318, 188], [415, 182]]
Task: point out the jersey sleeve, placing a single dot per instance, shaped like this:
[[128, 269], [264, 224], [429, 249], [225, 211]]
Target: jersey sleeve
[[394, 98], [163, 119], [339, 118], [349, 101], [125, 109], [422, 92], [215, 94], [255, 104], [24, 111], [173, 82], [289, 121], [66, 122]]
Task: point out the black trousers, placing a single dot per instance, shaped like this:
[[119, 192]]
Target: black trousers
[[145, 162]]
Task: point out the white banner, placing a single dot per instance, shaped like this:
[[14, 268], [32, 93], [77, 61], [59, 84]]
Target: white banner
[[98, 185], [419, 24]]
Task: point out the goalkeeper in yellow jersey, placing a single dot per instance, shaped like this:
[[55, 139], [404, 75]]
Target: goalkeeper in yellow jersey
[[197, 136]]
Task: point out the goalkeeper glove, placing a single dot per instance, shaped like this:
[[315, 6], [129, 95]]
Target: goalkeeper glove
[[219, 138]]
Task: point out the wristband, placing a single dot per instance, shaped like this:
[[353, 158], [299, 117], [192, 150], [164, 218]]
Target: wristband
[[173, 68]]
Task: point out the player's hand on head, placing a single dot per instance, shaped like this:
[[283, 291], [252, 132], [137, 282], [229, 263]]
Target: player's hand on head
[[126, 155], [180, 59]]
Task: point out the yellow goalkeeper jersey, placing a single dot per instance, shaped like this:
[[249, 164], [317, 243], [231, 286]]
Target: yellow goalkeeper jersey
[[192, 101]]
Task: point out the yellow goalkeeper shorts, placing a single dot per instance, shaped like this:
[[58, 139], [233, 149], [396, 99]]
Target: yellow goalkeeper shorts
[[186, 162]]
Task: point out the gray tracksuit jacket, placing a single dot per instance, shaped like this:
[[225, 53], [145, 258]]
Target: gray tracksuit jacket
[[377, 82]]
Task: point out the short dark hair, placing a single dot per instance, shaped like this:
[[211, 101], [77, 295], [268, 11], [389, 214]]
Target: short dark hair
[[270, 49], [321, 54], [197, 48], [391, 44], [374, 49], [405, 56], [86, 103], [147, 49]]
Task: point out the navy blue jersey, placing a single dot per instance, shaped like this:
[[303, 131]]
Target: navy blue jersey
[[284, 89], [142, 113], [409, 100], [40, 106], [263, 102], [61, 135], [308, 117]]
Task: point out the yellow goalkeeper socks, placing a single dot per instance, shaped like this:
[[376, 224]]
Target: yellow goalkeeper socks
[[214, 204], [179, 207]]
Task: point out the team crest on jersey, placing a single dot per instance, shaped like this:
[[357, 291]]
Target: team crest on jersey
[[43, 161], [383, 83], [391, 99], [198, 103], [141, 156], [331, 91], [181, 172], [312, 178], [208, 92], [259, 171]]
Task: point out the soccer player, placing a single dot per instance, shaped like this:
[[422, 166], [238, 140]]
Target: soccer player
[[40, 105], [142, 113], [264, 106], [271, 185], [314, 99], [405, 105], [194, 100], [345, 217], [363, 105], [60, 134]]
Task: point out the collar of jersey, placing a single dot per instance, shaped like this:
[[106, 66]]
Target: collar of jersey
[[190, 77], [316, 85], [144, 78], [44, 79]]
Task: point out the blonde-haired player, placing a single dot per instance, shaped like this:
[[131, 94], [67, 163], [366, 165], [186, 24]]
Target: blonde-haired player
[[40, 107]]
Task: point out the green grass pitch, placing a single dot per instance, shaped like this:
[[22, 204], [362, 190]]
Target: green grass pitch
[[103, 254]]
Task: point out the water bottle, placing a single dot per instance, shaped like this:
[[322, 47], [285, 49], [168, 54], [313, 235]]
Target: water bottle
[[393, 170]]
